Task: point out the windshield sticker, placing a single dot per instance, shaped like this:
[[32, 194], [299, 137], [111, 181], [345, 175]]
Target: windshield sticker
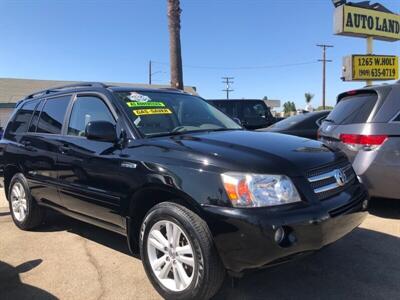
[[133, 96], [137, 121], [145, 104], [152, 111]]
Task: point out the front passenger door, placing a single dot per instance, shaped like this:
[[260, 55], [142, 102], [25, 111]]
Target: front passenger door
[[89, 174]]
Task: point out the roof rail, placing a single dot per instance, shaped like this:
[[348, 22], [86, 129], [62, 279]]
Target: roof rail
[[63, 87]]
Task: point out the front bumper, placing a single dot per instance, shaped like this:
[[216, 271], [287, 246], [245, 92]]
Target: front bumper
[[245, 238]]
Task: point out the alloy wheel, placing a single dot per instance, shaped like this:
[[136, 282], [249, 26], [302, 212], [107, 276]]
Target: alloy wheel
[[19, 202], [171, 255]]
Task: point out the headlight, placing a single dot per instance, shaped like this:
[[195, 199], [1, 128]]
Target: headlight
[[255, 190]]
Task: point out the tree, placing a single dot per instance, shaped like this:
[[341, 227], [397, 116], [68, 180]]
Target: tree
[[289, 107], [308, 97], [174, 26], [265, 98], [326, 108]]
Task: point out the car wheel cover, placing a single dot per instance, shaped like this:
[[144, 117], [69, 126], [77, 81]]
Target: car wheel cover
[[18, 202], [171, 256]]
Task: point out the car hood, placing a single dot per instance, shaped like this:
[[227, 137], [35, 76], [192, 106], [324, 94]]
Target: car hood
[[248, 151]]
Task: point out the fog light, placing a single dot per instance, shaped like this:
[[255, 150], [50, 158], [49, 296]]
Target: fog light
[[279, 235]]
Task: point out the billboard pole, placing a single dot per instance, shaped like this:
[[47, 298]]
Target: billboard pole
[[370, 50]]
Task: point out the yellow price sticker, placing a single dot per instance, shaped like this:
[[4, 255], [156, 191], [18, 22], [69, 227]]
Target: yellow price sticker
[[152, 111]]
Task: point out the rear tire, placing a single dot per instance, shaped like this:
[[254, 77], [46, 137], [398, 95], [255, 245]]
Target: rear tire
[[182, 263], [25, 212]]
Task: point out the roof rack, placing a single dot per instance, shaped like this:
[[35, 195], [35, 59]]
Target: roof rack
[[64, 87]]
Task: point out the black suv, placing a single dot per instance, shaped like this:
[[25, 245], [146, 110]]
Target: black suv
[[190, 189], [252, 114]]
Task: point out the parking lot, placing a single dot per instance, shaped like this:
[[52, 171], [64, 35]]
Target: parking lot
[[67, 259]]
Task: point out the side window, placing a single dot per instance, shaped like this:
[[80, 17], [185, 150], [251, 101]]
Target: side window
[[85, 110], [227, 107], [397, 119], [35, 117], [52, 115], [21, 120]]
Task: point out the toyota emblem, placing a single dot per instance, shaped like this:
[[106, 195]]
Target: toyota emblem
[[340, 177]]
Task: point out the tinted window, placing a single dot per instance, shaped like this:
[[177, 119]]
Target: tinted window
[[353, 110], [289, 122], [52, 115], [397, 119], [255, 113], [85, 110], [22, 118], [227, 107], [35, 117]]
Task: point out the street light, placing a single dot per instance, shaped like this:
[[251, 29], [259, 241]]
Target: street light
[[338, 3]]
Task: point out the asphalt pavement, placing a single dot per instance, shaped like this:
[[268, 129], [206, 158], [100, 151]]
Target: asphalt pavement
[[68, 259]]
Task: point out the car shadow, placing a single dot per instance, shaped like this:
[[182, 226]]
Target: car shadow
[[11, 286], [363, 265], [385, 208], [57, 222]]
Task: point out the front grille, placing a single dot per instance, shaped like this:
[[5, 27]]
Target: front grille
[[332, 179]]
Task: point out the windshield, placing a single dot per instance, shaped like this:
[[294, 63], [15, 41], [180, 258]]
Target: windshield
[[158, 113], [289, 122]]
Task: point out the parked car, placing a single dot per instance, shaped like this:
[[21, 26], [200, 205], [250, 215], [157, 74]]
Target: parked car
[[304, 125], [251, 114], [192, 191], [365, 124]]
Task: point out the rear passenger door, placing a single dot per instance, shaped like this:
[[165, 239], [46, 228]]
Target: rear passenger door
[[41, 146], [89, 176]]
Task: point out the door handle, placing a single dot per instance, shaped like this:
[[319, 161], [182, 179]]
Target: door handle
[[64, 148], [27, 145]]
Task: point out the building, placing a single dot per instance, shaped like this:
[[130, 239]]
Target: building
[[12, 90]]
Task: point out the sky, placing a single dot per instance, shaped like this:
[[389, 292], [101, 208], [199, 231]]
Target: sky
[[268, 46]]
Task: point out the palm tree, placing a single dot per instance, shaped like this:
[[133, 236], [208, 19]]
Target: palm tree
[[308, 97], [174, 26]]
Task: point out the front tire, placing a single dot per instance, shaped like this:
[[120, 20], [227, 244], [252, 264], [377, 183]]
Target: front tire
[[178, 253], [25, 212]]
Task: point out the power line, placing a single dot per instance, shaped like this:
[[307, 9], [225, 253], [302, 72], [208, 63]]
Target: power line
[[242, 67], [228, 81], [324, 61]]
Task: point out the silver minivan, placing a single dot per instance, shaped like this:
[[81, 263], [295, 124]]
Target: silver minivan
[[365, 124]]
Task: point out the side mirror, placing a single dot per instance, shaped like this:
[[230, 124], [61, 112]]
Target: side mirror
[[102, 131]]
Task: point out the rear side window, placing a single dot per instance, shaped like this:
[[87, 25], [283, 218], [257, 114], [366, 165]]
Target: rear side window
[[52, 115], [21, 120], [35, 117], [353, 110], [397, 119]]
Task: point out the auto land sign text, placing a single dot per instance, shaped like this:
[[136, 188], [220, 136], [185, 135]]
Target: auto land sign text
[[362, 22]]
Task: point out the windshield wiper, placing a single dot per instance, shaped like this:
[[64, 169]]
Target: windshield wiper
[[169, 134], [191, 131]]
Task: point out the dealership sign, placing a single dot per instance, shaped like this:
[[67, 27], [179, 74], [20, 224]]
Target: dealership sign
[[370, 67], [363, 22]]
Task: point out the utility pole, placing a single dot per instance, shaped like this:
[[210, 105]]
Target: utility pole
[[324, 61], [228, 82], [150, 72], [174, 26]]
